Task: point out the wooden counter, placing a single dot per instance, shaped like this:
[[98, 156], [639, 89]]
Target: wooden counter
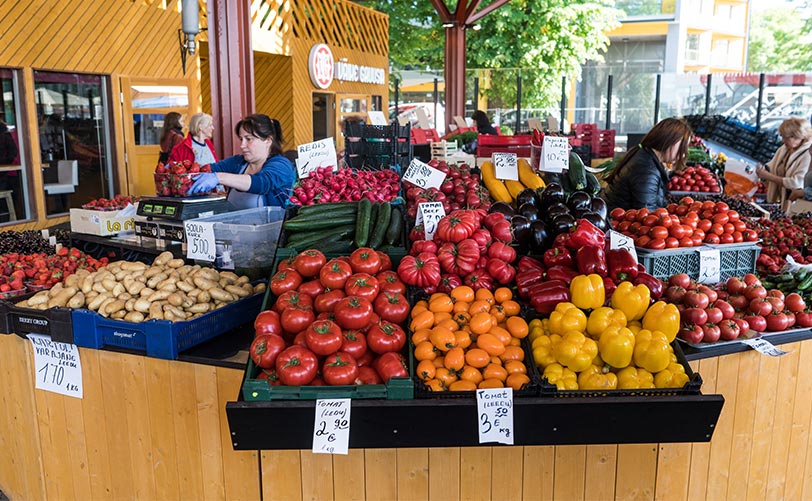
[[156, 429]]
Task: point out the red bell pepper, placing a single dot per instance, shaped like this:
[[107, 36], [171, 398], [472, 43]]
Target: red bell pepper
[[622, 265], [591, 259], [563, 240], [558, 256], [609, 287], [561, 273], [586, 234], [655, 286], [545, 296], [526, 279], [528, 263]]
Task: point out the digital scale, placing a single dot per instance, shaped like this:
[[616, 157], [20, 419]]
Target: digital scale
[[161, 218]]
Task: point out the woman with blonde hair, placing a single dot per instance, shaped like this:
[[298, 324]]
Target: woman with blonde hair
[[197, 147], [785, 172]]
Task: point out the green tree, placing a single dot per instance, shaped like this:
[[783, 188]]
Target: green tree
[[544, 39], [774, 43]]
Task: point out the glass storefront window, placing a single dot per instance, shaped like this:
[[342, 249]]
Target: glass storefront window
[[147, 128], [353, 105], [159, 96], [14, 205], [72, 112]]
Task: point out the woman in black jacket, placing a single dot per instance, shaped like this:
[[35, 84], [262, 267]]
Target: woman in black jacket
[[640, 178]]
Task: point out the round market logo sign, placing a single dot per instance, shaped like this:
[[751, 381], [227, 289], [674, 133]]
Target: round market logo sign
[[320, 64]]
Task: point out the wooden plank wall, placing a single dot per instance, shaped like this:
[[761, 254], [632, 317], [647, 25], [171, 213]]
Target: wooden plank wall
[[164, 423]]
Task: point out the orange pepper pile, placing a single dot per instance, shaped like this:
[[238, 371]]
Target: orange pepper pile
[[466, 340]]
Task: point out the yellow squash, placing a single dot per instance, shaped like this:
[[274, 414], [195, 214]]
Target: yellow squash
[[497, 188], [528, 176]]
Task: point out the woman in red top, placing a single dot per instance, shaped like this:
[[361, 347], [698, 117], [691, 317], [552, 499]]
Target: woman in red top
[[171, 134], [197, 147]]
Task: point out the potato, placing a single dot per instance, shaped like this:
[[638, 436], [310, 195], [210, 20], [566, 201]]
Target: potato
[[156, 311], [119, 290], [163, 258], [114, 267], [129, 305], [260, 287], [220, 295], [169, 284], [73, 281], [119, 315], [39, 298], [114, 306], [209, 274], [237, 291], [147, 292], [53, 291], [177, 312], [136, 288], [132, 266], [103, 307], [121, 274], [99, 287], [87, 283], [229, 275], [204, 283], [90, 295], [62, 297], [154, 280], [187, 301], [242, 280], [203, 297], [142, 305], [199, 308], [77, 301], [185, 286], [159, 295], [175, 263], [97, 301], [175, 299], [152, 271], [134, 316]]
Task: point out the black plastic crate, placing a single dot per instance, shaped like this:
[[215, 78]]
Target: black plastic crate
[[55, 322]]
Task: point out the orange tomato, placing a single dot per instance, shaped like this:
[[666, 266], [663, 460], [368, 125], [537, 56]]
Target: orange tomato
[[493, 371], [437, 295], [485, 294], [463, 339], [477, 358], [480, 323], [461, 307], [425, 351], [479, 307], [448, 323], [434, 385], [454, 360], [511, 308], [496, 360], [498, 312], [490, 383], [501, 334], [425, 370], [516, 381], [517, 327], [515, 367], [502, 294], [441, 316], [446, 376], [462, 385], [442, 303], [462, 318], [443, 338], [514, 341], [471, 374], [512, 353], [423, 320], [420, 335], [439, 361], [462, 293], [490, 344], [419, 307]]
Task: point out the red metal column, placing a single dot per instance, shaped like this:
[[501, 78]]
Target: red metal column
[[454, 72], [231, 63]]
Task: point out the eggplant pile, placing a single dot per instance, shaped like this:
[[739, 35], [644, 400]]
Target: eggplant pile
[[543, 214]]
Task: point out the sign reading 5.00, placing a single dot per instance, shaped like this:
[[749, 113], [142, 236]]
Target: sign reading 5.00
[[199, 240]]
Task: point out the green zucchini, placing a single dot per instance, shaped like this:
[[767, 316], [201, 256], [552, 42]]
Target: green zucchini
[[381, 225], [577, 172], [312, 238], [395, 226], [336, 247], [362, 223], [294, 238], [330, 208], [593, 186], [293, 225], [316, 215]]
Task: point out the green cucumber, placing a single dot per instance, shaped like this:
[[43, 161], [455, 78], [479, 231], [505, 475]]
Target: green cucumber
[[337, 247], [381, 225], [768, 285], [321, 223], [576, 172], [313, 238], [806, 284], [318, 215], [593, 186], [395, 226], [330, 208], [294, 238], [362, 223]]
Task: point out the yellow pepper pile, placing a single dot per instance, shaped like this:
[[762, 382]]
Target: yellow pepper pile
[[585, 345]]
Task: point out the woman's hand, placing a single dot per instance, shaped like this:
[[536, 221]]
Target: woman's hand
[[766, 175], [796, 195]]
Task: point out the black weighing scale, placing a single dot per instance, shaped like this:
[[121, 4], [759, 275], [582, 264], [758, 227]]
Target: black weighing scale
[[161, 218]]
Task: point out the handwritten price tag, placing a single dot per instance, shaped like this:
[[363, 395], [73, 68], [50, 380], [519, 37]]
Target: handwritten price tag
[[764, 347], [506, 166], [315, 155], [199, 240], [429, 214], [495, 412], [621, 241], [710, 263], [555, 154], [331, 432], [423, 175], [57, 366]]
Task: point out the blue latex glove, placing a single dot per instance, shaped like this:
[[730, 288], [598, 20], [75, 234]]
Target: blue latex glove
[[205, 181]]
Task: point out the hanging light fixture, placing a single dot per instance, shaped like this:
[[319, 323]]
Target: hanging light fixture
[[190, 26]]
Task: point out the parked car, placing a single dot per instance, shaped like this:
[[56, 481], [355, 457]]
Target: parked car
[[409, 111]]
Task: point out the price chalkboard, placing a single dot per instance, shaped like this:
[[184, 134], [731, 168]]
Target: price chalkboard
[[312, 156], [506, 166], [495, 415], [57, 366], [423, 175], [199, 240], [555, 154], [331, 430], [429, 214]]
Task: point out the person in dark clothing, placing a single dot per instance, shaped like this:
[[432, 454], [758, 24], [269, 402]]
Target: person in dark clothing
[[483, 125], [171, 134], [8, 148], [640, 178]]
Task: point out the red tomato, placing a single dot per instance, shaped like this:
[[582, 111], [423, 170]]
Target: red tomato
[[296, 366], [656, 244], [795, 302], [617, 213], [391, 307], [757, 322], [704, 225], [268, 322], [717, 229], [384, 337], [291, 298], [296, 318], [386, 261], [710, 333], [286, 280], [642, 241], [726, 238], [354, 342], [323, 337], [671, 243], [326, 301], [390, 365], [712, 238], [659, 232], [309, 263], [677, 231], [367, 375], [335, 273], [388, 281], [721, 218], [340, 369], [353, 312], [265, 348], [776, 322], [362, 285], [311, 288], [365, 260]]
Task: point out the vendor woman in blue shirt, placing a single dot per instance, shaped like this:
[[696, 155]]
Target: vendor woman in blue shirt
[[261, 176]]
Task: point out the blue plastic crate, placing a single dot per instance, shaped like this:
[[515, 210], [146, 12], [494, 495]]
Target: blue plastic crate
[[161, 338], [736, 260]]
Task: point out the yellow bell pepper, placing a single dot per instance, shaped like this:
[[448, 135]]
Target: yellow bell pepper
[[632, 378], [567, 317], [673, 376], [536, 329], [663, 317], [616, 346], [587, 291], [597, 378], [603, 317], [635, 326], [651, 350], [575, 351], [543, 347], [561, 377], [633, 300]]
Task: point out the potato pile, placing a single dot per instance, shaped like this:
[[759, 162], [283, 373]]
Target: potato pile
[[135, 292]]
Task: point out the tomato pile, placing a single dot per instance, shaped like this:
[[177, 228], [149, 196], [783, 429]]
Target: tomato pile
[[346, 185], [43, 270], [697, 179], [175, 178], [338, 318], [780, 238], [460, 190], [689, 223], [118, 202], [469, 248], [469, 339]]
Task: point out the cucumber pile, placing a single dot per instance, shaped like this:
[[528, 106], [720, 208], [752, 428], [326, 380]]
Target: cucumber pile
[[344, 226], [799, 281]]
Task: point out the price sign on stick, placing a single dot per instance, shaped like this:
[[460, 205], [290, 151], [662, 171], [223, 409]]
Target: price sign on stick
[[764, 347], [495, 415], [555, 154], [506, 166], [331, 431], [710, 263], [57, 366], [199, 240], [423, 175], [312, 156], [428, 214], [621, 241]]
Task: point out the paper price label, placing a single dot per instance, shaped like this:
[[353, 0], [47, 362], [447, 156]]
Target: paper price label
[[555, 154], [429, 214], [764, 347], [312, 156], [45, 234], [378, 118], [57, 366], [200, 240], [506, 166], [495, 415], [621, 241], [331, 431], [710, 263], [423, 175]]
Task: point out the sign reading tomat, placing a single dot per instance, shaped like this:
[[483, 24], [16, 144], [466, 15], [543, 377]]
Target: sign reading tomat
[[323, 68]]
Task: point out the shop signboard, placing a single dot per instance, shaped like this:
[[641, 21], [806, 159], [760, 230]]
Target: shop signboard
[[320, 65]]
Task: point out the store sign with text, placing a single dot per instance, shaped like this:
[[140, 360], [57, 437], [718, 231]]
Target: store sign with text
[[323, 68]]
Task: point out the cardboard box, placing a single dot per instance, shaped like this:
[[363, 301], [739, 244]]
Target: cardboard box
[[102, 223]]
